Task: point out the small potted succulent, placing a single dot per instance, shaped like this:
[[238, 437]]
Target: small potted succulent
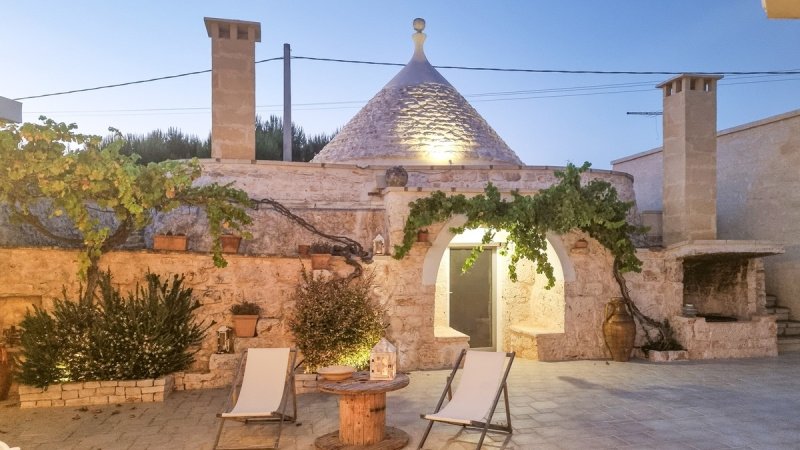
[[320, 255], [245, 316]]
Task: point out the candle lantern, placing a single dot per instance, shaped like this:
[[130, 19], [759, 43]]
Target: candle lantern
[[378, 245], [383, 361], [224, 339]]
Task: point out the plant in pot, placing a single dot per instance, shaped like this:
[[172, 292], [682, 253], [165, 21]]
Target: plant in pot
[[320, 255], [336, 321], [229, 241], [245, 316], [170, 241]]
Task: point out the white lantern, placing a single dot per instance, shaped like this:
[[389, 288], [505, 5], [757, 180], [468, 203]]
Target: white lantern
[[383, 361], [224, 339], [378, 245]]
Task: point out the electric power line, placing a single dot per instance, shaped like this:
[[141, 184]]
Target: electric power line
[[351, 61]]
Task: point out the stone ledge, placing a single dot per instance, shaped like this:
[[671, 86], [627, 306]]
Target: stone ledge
[[533, 331], [91, 393]]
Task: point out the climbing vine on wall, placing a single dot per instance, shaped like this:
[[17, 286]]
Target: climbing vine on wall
[[593, 207]]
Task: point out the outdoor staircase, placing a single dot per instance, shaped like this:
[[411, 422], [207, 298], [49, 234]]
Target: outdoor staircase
[[788, 330]]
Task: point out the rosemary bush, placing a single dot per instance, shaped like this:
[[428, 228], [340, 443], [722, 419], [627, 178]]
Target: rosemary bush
[[147, 334], [336, 321]]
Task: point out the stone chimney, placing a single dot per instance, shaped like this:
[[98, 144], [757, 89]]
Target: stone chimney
[[233, 87], [690, 158]]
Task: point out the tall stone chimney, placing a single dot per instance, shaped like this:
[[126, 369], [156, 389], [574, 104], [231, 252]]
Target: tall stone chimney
[[233, 87], [690, 158]]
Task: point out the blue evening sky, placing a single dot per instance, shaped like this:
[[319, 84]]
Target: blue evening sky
[[50, 46]]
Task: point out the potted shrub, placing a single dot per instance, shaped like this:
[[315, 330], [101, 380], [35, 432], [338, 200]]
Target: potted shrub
[[336, 321], [320, 255], [169, 241], [245, 316]]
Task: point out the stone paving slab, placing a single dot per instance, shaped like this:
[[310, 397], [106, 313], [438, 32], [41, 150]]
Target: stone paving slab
[[722, 404]]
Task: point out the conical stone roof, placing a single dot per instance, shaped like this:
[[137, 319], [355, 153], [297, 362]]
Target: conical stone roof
[[418, 118]]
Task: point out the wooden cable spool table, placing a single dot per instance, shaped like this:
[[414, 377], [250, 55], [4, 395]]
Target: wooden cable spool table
[[362, 414]]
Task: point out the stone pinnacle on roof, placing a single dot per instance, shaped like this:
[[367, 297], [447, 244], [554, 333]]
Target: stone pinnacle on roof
[[418, 118]]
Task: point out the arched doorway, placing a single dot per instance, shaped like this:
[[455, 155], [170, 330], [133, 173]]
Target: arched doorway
[[484, 304]]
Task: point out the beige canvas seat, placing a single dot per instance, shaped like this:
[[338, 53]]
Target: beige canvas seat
[[473, 404], [261, 390]]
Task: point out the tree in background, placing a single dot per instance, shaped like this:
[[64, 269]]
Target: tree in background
[[157, 145], [269, 141]]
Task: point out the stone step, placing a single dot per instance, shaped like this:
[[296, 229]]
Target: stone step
[[781, 313], [788, 344], [771, 301], [788, 328]]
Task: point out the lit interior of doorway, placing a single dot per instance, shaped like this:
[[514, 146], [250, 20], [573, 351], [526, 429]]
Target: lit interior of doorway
[[524, 304]]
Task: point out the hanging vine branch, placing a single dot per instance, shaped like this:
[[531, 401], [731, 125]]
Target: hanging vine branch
[[594, 208], [349, 248]]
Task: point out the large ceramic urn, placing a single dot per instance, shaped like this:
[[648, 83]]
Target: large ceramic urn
[[619, 329]]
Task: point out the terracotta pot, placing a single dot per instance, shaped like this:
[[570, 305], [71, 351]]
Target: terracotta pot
[[422, 236], [320, 261], [170, 242], [303, 249], [245, 326], [619, 330], [230, 243]]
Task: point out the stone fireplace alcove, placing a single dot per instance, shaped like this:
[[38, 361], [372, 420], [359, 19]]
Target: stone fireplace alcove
[[725, 282], [718, 287]]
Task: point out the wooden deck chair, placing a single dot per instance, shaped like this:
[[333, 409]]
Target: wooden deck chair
[[261, 389], [482, 381]]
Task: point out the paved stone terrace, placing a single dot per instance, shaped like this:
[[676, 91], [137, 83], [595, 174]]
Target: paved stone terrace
[[746, 403]]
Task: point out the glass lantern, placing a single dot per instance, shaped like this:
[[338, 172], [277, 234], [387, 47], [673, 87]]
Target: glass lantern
[[378, 245], [224, 339], [383, 361]]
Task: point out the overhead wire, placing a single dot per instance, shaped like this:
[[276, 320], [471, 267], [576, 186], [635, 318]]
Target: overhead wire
[[473, 68]]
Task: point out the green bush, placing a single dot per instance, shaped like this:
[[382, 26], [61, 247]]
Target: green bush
[[336, 321], [149, 334]]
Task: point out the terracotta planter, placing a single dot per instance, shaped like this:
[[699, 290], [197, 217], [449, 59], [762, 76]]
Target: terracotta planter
[[245, 326], [303, 249], [230, 243], [170, 242], [320, 261], [619, 330], [422, 236]]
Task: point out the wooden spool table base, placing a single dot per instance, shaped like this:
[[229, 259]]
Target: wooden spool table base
[[393, 438], [362, 414]]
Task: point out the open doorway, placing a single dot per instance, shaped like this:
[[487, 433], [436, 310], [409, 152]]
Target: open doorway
[[472, 297]]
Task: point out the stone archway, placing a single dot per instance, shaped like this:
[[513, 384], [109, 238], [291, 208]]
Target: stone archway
[[523, 307]]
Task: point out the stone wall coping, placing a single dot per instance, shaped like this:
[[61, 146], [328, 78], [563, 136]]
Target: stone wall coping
[[410, 168], [751, 248]]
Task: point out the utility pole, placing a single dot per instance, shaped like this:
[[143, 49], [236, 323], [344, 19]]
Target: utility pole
[[287, 103]]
